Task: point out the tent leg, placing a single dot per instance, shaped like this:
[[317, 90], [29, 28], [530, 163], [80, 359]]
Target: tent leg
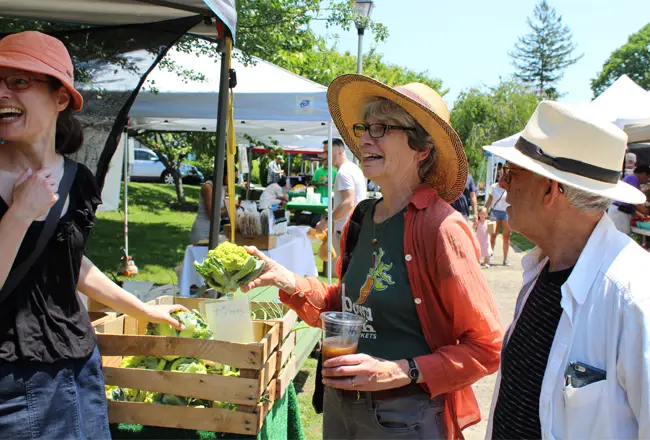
[[220, 148], [330, 229]]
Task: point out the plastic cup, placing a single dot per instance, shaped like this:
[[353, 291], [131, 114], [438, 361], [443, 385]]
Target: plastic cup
[[341, 331]]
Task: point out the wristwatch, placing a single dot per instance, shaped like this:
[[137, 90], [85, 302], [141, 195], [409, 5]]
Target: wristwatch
[[414, 373]]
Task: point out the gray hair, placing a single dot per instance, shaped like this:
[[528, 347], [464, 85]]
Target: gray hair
[[585, 201], [419, 140]]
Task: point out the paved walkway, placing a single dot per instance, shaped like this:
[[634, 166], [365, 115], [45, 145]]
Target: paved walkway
[[505, 283]]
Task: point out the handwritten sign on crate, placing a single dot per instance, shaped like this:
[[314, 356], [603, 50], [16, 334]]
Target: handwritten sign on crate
[[230, 320]]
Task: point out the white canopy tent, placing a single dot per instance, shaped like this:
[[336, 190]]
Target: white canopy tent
[[123, 12], [269, 102]]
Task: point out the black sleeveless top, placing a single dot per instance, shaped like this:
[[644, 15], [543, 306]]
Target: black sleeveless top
[[43, 319]]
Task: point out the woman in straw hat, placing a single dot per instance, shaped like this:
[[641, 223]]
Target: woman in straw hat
[[51, 383], [409, 267]]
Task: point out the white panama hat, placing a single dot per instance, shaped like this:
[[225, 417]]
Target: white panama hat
[[574, 147]]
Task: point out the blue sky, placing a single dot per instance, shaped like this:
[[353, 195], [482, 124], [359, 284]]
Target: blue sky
[[466, 42]]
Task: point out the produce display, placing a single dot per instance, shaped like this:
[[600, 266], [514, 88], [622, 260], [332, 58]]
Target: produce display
[[228, 267], [195, 327]]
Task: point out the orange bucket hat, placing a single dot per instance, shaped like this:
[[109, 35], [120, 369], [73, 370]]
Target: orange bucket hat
[[40, 53]]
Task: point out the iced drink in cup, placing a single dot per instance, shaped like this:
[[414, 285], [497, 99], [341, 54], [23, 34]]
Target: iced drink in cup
[[341, 332]]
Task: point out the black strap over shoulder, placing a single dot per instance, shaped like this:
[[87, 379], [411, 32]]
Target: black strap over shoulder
[[354, 229], [52, 220]]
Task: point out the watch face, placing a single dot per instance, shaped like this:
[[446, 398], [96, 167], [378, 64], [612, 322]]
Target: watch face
[[414, 373]]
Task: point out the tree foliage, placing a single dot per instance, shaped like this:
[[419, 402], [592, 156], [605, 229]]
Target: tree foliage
[[483, 115], [322, 64], [171, 149], [631, 59], [542, 55]]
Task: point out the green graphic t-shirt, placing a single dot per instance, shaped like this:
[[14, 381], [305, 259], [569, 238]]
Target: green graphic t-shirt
[[320, 177], [377, 287]]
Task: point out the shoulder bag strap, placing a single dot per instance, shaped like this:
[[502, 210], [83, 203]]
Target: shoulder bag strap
[[18, 273]]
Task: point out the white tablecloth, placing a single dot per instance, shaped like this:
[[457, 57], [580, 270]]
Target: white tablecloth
[[293, 251]]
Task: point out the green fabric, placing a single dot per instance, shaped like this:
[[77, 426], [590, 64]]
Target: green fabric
[[316, 209], [282, 422], [320, 178], [392, 329]]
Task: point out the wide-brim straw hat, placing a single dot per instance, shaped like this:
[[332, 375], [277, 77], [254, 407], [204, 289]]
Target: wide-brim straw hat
[[575, 147], [347, 96]]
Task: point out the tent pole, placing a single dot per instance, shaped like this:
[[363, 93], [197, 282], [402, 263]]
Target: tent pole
[[220, 148], [249, 151], [330, 230], [126, 194]]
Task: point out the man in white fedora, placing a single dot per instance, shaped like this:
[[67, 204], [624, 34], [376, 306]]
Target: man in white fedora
[[575, 362]]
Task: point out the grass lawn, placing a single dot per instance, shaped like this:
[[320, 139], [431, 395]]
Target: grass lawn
[[519, 241], [157, 235]]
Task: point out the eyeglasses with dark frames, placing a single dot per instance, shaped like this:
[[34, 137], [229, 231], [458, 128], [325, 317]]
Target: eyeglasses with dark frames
[[377, 131], [22, 81]]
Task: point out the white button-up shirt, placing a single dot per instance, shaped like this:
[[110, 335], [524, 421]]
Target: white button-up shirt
[[606, 324]]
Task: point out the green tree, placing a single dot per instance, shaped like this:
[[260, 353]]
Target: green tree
[[483, 115], [322, 64], [631, 59], [542, 55], [172, 149]]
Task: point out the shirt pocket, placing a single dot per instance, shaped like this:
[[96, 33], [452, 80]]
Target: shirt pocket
[[585, 410]]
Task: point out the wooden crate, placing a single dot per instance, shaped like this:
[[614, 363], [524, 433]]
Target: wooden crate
[[254, 391], [263, 242], [286, 323], [98, 318]]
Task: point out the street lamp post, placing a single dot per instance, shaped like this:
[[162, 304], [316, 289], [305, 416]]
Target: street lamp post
[[364, 9]]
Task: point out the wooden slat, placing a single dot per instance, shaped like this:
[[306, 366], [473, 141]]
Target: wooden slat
[[170, 416], [265, 407], [115, 326], [97, 318], [270, 341], [286, 376], [250, 356], [201, 386], [286, 350]]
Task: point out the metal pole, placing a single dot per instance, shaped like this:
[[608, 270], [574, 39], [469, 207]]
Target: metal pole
[[249, 152], [126, 194], [360, 32], [330, 229], [220, 148]]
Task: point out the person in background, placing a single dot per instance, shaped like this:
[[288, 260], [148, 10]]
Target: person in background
[[319, 180], [275, 170], [497, 204], [201, 226], [274, 194], [482, 236], [622, 213], [575, 362], [467, 198], [349, 189], [51, 381], [409, 267]]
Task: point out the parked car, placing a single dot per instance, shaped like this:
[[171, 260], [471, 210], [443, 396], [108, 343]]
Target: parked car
[[148, 167]]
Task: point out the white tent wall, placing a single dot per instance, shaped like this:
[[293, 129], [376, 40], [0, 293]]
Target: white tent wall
[[624, 103], [122, 12], [111, 189], [269, 101]]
